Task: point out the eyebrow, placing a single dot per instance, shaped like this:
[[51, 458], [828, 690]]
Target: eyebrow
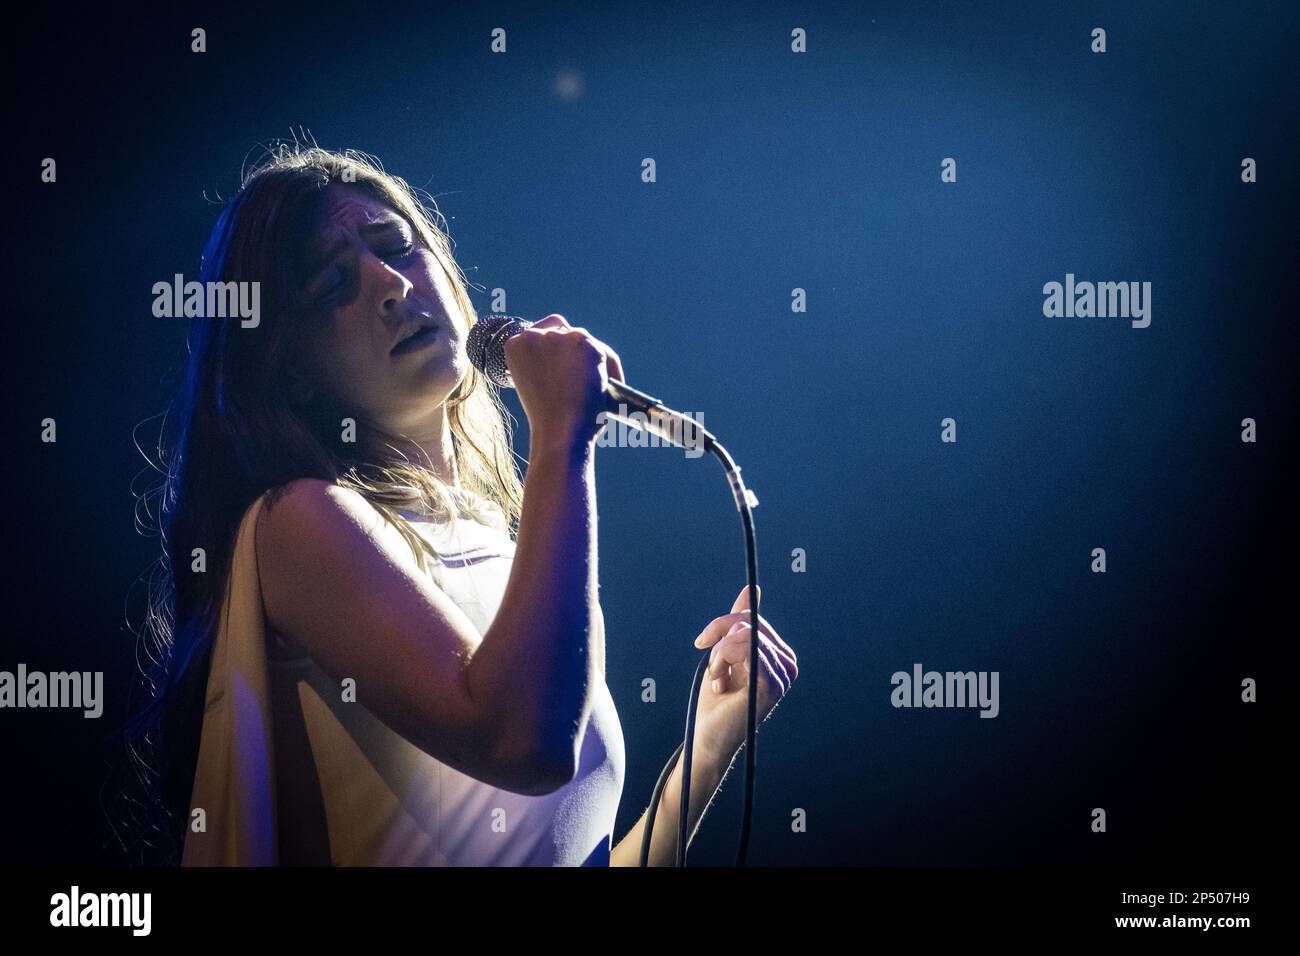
[[388, 223]]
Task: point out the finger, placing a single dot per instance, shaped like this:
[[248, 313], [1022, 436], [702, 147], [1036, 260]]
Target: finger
[[789, 663], [717, 665], [735, 675], [742, 599], [766, 628], [719, 626], [779, 668], [723, 654], [733, 650], [613, 365], [773, 680], [740, 636], [783, 651], [715, 629]]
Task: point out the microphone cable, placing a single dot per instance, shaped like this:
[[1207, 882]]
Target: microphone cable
[[745, 503]]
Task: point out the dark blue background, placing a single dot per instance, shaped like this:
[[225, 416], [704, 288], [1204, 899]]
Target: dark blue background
[[775, 171]]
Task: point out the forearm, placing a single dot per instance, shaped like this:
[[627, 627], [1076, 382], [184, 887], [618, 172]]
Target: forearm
[[707, 773], [539, 660]]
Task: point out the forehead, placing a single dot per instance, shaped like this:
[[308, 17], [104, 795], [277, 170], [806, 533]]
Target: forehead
[[346, 212]]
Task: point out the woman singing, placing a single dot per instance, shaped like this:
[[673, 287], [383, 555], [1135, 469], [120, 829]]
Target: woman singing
[[358, 663]]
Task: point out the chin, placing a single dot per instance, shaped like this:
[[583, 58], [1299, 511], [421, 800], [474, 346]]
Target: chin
[[441, 373]]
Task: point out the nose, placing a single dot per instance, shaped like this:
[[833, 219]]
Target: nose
[[391, 287]]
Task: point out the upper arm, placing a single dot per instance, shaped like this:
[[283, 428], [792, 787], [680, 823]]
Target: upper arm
[[340, 582]]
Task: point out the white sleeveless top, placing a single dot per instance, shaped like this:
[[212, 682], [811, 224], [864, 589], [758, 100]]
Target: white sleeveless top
[[289, 773]]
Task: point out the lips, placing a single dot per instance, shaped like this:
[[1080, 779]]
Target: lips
[[414, 338]]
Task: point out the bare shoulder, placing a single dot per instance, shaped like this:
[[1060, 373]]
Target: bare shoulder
[[309, 500], [312, 518], [340, 584]]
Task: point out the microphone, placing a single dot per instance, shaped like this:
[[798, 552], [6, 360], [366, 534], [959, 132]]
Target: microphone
[[486, 347]]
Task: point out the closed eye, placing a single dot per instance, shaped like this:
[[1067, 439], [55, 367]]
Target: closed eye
[[336, 283], [338, 278], [401, 253]]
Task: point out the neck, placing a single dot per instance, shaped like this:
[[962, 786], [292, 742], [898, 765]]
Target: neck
[[430, 444]]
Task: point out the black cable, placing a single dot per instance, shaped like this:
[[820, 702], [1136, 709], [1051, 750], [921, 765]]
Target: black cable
[[654, 805], [700, 670], [745, 503], [688, 747]]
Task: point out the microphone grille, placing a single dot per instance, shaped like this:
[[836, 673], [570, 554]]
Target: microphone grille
[[486, 345]]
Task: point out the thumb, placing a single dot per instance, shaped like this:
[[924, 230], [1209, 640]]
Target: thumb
[[742, 599]]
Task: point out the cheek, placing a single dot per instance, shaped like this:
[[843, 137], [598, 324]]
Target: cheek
[[439, 281], [340, 359]]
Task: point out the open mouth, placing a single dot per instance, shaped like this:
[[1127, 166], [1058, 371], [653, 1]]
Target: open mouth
[[418, 340]]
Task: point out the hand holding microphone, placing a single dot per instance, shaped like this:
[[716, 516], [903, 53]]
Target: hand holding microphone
[[570, 383], [561, 373]]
